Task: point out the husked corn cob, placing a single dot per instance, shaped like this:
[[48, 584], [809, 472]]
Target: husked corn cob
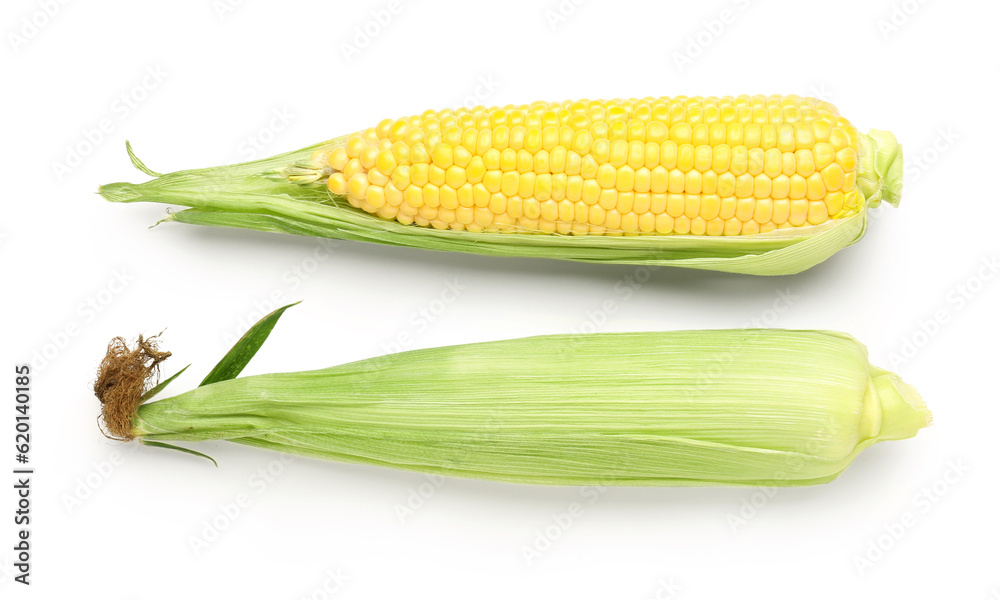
[[765, 185], [700, 166]]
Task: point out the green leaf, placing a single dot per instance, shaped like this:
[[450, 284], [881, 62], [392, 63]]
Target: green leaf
[[138, 164], [159, 387], [240, 354], [178, 448]]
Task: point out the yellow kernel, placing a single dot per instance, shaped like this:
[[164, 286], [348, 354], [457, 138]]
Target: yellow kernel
[[815, 188], [682, 225], [786, 138], [549, 210], [533, 140], [608, 198], [501, 137], [647, 223], [618, 130], [452, 136], [657, 132], [369, 156], [798, 211], [692, 205], [414, 196], [849, 180], [448, 197], [418, 154], [750, 228], [582, 141], [431, 195], [692, 182], [658, 203], [337, 184], [744, 185], [550, 137], [734, 134], [762, 210], [526, 185], [636, 154], [651, 155], [338, 158], [559, 185], [624, 181], [658, 179], [847, 158], [543, 186], [698, 226], [516, 138], [779, 211], [796, 187], [525, 161], [726, 185], [685, 157], [772, 162], [618, 155], [498, 203], [668, 154], [680, 133], [455, 176], [624, 202], [676, 204], [352, 168], [664, 223], [464, 194], [714, 227], [709, 207], [640, 203], [355, 144], [567, 209], [740, 160], [591, 191], [435, 175], [788, 163], [510, 182], [574, 187], [821, 129], [508, 160], [703, 157], [629, 222], [642, 180], [375, 196], [581, 212], [462, 156], [755, 161], [376, 177], [606, 175], [557, 159], [839, 139], [817, 212], [804, 164], [804, 138], [745, 209], [484, 217], [733, 226], [780, 186], [386, 162], [596, 215], [768, 137], [762, 186], [358, 185], [393, 195], [588, 167], [823, 155], [834, 203], [720, 158], [833, 176], [727, 207], [491, 159]]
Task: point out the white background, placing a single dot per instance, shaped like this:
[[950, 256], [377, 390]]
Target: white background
[[124, 530]]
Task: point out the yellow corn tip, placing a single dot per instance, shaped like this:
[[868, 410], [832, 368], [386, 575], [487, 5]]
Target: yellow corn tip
[[700, 166]]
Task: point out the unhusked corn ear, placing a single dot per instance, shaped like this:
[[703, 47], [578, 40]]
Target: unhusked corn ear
[[751, 151], [763, 407]]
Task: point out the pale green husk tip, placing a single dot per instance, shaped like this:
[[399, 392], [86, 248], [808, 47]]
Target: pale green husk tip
[[251, 196]]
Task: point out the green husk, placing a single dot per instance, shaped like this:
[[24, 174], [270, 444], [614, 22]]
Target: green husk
[[717, 407], [251, 196]]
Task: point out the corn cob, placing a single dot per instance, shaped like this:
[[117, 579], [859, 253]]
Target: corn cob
[[727, 407], [683, 173]]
